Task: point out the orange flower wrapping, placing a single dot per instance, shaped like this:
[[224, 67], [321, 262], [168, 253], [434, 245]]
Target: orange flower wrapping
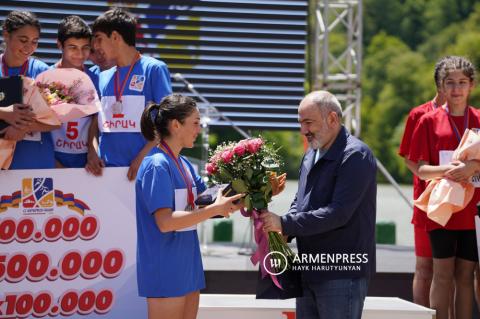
[[444, 197], [44, 114]]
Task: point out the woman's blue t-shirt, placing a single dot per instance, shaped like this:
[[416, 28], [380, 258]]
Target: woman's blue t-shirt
[[168, 264], [36, 150]]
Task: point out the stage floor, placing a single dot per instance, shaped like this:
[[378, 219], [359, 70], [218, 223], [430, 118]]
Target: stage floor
[[246, 306]]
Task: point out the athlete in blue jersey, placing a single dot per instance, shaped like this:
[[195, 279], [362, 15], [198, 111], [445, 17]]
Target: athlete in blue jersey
[[34, 148], [169, 265], [71, 140], [125, 89]]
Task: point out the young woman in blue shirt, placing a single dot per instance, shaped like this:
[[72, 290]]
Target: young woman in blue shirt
[[169, 266]]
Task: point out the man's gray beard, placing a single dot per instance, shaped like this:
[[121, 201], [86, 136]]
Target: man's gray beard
[[314, 144]]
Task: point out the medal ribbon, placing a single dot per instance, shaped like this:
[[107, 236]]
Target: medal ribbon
[[116, 86], [23, 70], [190, 199], [466, 119]]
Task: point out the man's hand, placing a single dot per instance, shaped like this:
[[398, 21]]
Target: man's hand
[[462, 171], [19, 116], [94, 164], [278, 183], [13, 134], [271, 222]]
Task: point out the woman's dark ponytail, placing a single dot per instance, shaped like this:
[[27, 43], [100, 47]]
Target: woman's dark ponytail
[[150, 116], [155, 117]]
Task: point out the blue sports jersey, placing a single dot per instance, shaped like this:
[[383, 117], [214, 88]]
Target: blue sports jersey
[[119, 124], [37, 152], [168, 264], [95, 70], [71, 139]]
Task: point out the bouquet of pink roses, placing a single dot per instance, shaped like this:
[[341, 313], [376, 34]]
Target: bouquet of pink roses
[[249, 165]]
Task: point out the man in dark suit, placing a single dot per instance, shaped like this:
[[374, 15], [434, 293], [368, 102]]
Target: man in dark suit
[[332, 215]]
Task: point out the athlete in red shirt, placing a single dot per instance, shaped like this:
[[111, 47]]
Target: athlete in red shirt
[[454, 247], [422, 278]]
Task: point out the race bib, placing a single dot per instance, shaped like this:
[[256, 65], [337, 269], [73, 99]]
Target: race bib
[[446, 157], [72, 137], [124, 116], [33, 136], [181, 203]]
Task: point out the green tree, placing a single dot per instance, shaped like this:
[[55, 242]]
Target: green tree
[[403, 40], [439, 14], [413, 21], [397, 80], [382, 51]]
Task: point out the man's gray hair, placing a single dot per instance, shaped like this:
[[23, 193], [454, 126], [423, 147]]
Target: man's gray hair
[[326, 102]]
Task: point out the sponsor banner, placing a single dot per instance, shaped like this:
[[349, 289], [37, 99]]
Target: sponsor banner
[[68, 245]]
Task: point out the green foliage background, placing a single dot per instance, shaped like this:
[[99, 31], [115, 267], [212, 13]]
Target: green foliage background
[[402, 41]]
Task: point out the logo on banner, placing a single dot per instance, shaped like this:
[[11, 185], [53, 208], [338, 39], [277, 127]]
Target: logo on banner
[[137, 82], [37, 192], [38, 196]]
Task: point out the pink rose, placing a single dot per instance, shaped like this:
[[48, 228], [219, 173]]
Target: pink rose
[[239, 149], [254, 145], [211, 168], [227, 156], [215, 158]]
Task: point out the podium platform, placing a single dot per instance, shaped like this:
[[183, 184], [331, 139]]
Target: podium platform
[[220, 306]]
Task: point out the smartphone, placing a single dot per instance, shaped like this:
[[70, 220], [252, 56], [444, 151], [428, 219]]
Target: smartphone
[[210, 195]]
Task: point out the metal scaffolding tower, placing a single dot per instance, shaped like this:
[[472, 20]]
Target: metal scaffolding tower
[[337, 60], [337, 54]]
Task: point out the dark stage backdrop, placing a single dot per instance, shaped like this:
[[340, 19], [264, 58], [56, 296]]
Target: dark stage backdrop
[[247, 57]]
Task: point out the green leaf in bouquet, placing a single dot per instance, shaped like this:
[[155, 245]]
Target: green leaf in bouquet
[[258, 200], [267, 191], [239, 186], [248, 202], [257, 180], [224, 174], [249, 173], [260, 204], [257, 196]]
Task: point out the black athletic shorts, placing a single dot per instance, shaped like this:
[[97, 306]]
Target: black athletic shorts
[[454, 243]]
